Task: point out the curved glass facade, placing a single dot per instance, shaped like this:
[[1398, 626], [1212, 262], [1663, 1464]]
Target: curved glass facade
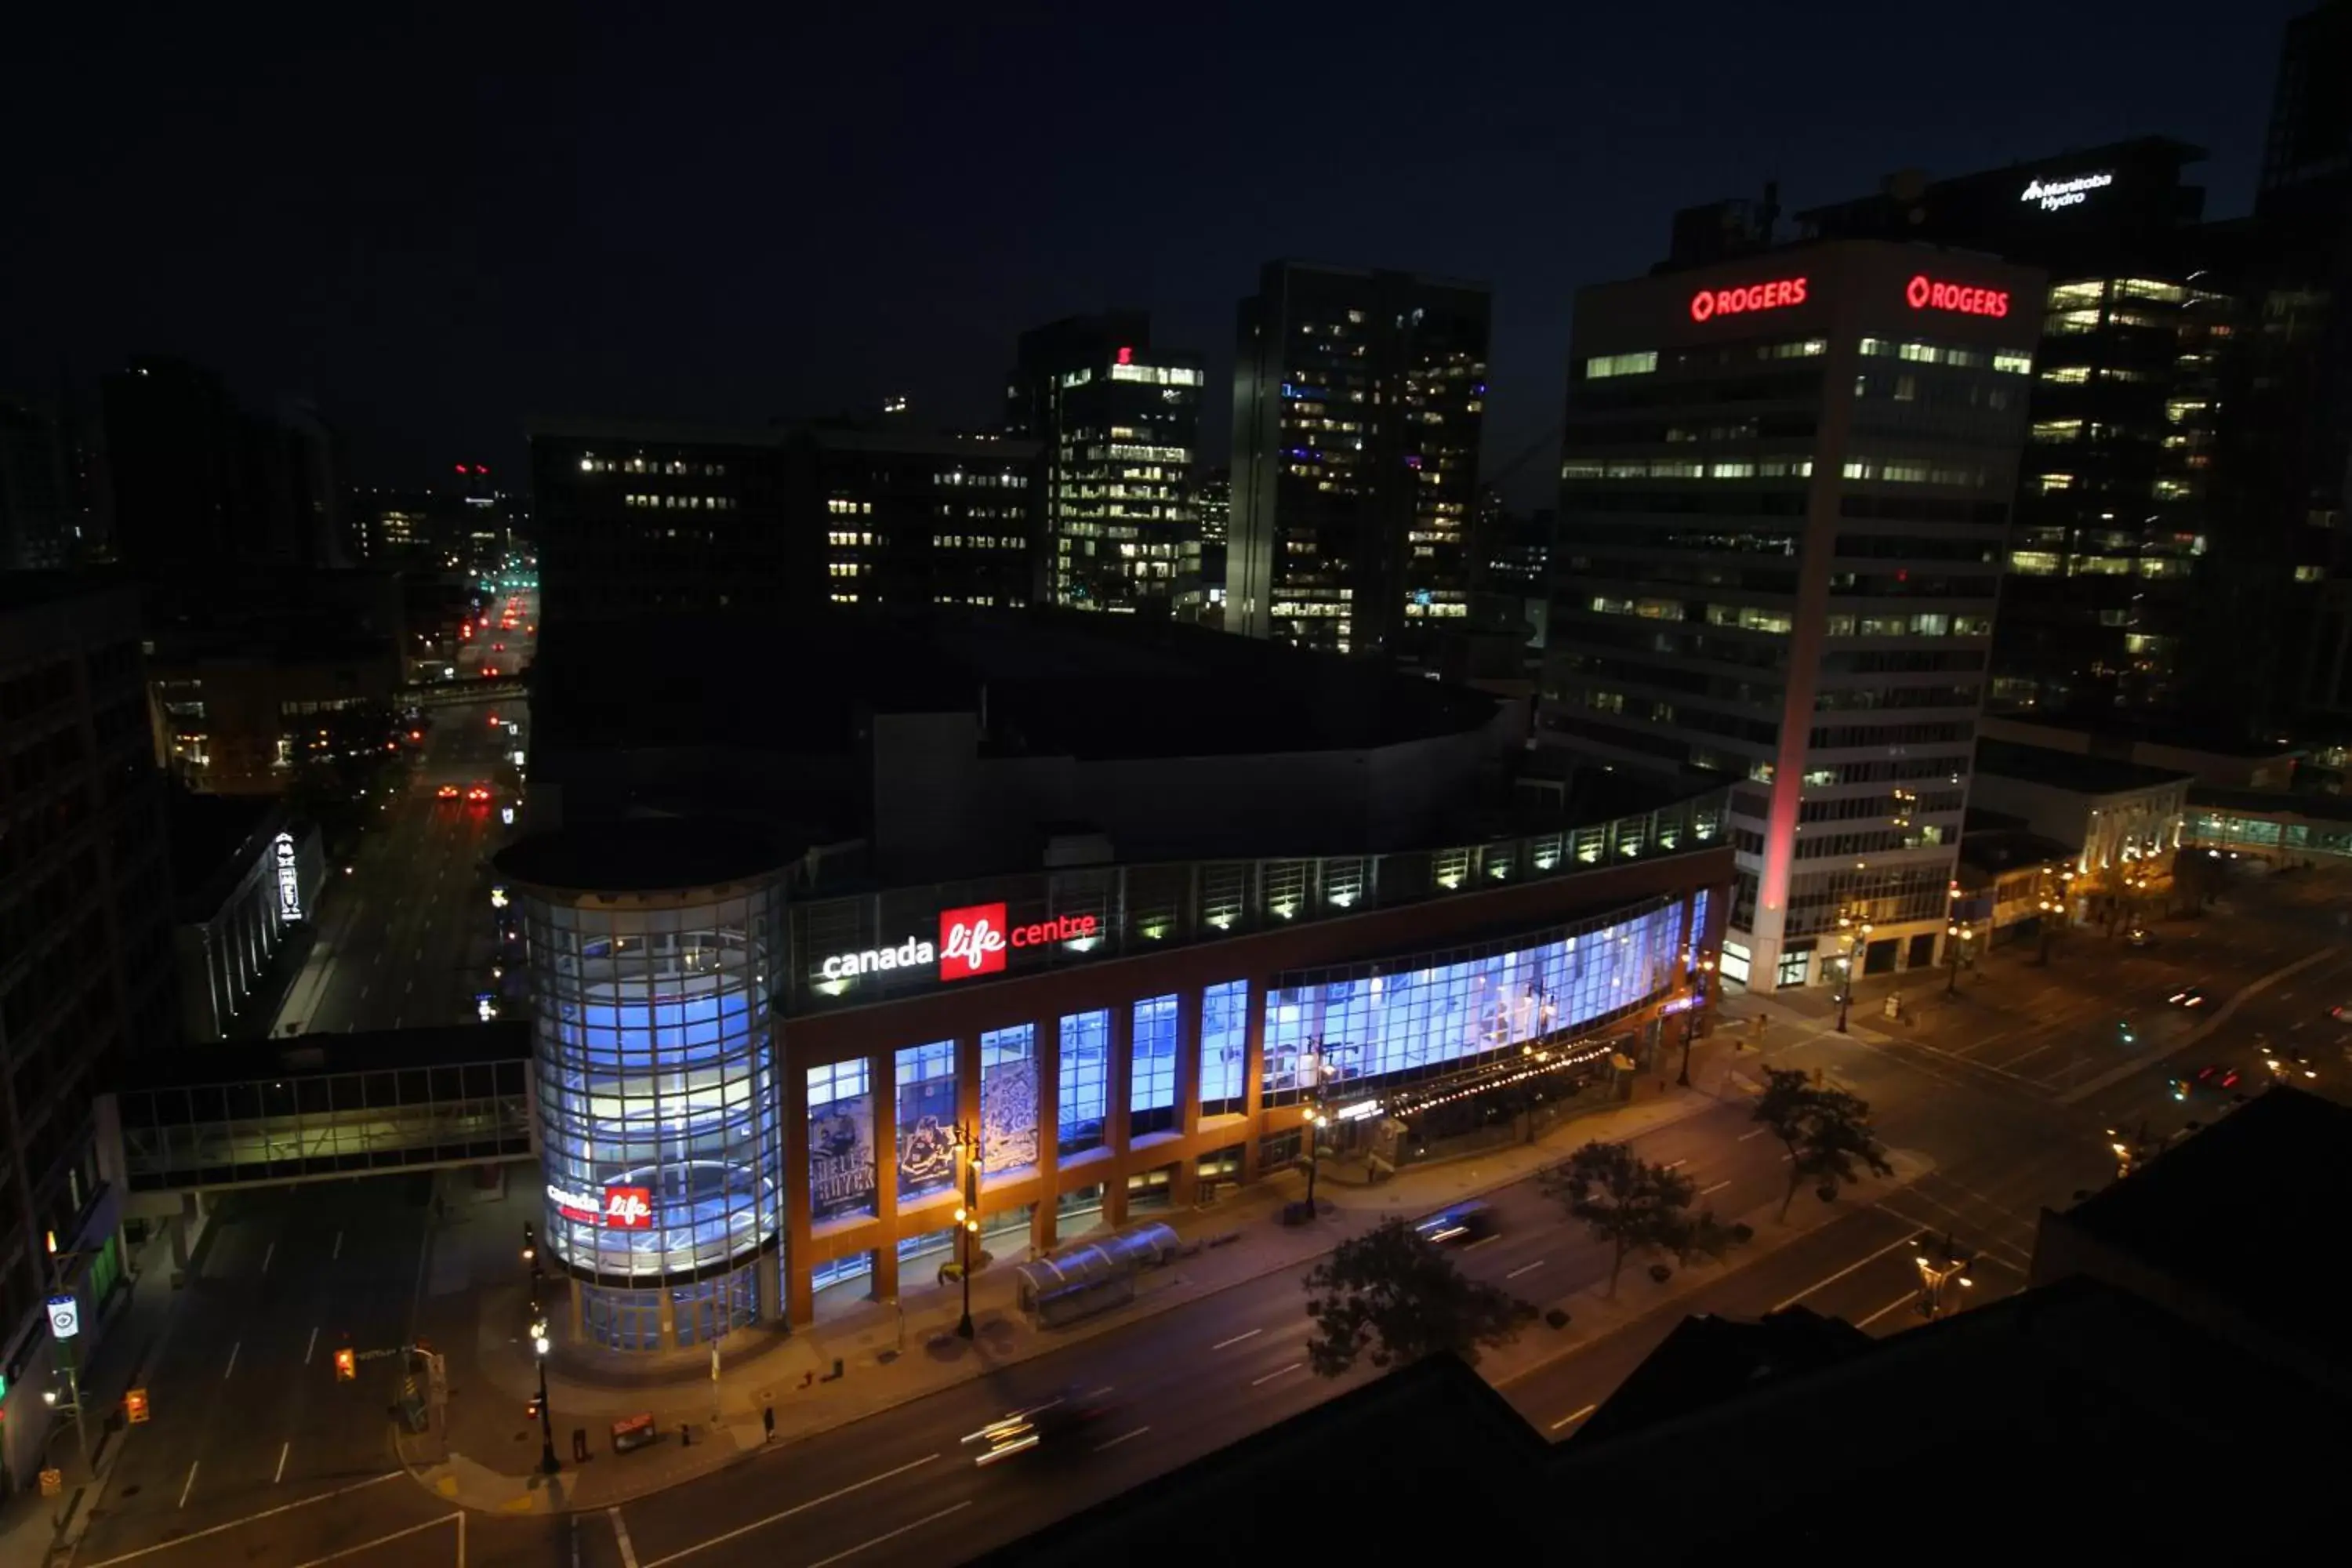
[[657, 1093]]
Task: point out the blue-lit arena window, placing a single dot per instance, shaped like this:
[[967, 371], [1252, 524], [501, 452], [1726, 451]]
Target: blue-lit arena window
[[657, 1102]]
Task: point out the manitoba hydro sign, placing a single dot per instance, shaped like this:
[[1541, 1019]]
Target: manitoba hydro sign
[[2068, 193]]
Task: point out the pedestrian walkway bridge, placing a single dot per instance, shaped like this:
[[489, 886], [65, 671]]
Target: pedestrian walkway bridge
[[449, 693], [325, 1107], [2271, 825]]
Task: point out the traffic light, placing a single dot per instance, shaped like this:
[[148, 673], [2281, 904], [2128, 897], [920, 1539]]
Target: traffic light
[[134, 1407], [347, 1365], [530, 1241]]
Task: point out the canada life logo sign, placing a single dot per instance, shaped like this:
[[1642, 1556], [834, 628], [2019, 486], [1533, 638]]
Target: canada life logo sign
[[972, 941]]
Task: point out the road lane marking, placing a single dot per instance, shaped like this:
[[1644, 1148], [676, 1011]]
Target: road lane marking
[[1122, 1437], [311, 1346], [621, 1538], [891, 1535], [410, 986], [336, 1253], [1759, 1133], [282, 1449], [420, 953], [1098, 1393], [248, 1518], [190, 1484], [1573, 1417], [371, 1545], [1904, 1299], [1525, 1269], [1676, 1165], [1842, 1273], [232, 1360], [744, 1530], [1716, 1188], [1277, 1371], [1237, 1339], [267, 1254]]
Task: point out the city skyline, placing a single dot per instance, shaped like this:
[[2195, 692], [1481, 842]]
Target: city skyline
[[434, 280]]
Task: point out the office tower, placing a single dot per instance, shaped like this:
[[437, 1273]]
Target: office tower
[[633, 518], [1212, 495], [39, 515], [2308, 152], [195, 483], [1785, 496], [1358, 397], [2114, 492], [1118, 423], [85, 960]]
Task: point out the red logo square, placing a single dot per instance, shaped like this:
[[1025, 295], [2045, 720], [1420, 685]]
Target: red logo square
[[971, 941], [629, 1208]]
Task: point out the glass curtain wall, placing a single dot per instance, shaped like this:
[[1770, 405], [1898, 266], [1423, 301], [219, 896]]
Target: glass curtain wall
[[655, 1084], [1085, 1082], [1151, 1097], [1369, 1025], [1008, 1102], [1224, 1047]]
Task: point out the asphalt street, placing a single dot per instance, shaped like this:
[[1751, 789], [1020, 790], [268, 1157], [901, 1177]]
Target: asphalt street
[[405, 938], [901, 1486], [246, 1413]]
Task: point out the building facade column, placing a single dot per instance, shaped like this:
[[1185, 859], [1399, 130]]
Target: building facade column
[[1049, 1134], [1252, 1076], [882, 1089], [800, 1300], [1118, 1131]]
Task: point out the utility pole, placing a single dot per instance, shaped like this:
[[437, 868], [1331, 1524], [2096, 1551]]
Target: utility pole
[[1940, 1264]]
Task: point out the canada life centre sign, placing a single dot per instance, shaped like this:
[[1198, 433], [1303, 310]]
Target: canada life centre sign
[[1921, 294], [972, 941]]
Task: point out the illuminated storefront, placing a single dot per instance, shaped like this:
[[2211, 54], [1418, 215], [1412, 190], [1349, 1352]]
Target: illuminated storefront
[[706, 1169]]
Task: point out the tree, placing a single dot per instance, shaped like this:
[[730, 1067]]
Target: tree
[[1704, 1236], [1825, 1131], [1632, 1205], [1392, 1296]]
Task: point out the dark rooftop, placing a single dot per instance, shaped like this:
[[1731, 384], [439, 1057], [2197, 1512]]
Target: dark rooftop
[[2237, 1210], [1429, 1450], [1051, 683], [1708, 1359], [208, 835], [2068, 770], [2110, 731], [2001, 849], [2075, 1416], [641, 855]]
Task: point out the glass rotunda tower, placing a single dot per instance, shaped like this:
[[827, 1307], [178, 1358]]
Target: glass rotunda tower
[[652, 949]]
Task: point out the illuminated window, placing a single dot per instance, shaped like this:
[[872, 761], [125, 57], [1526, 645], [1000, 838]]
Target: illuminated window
[[1606, 365], [2034, 563], [1085, 1102], [1152, 1091], [2057, 430], [1224, 1045], [2309, 573], [2066, 374]]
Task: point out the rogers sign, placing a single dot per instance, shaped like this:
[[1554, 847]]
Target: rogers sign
[[1924, 293], [972, 941], [1709, 303]]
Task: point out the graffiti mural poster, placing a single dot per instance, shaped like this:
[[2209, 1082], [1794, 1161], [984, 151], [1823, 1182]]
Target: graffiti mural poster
[[1008, 1116], [841, 1159], [927, 1110]]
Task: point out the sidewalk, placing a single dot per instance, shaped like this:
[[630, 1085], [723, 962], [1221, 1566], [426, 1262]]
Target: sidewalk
[[886, 1357], [132, 1336]]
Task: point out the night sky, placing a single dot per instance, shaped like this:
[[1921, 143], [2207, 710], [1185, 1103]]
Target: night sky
[[437, 222]]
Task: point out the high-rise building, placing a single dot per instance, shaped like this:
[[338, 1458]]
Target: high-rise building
[[632, 519], [1213, 499], [1118, 425], [85, 956], [2308, 152], [40, 518], [195, 483], [1358, 399], [1785, 496], [2115, 488]]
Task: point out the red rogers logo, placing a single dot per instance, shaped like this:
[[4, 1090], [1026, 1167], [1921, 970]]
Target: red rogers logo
[[1709, 303], [1925, 294]]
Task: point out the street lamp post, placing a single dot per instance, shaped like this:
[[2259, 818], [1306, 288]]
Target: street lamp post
[[1856, 937], [967, 1218], [2052, 903], [1317, 1119], [60, 1264], [539, 1344], [1958, 936], [1690, 1016], [1940, 1265]]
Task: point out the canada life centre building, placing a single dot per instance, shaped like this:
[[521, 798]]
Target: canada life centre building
[[1081, 914]]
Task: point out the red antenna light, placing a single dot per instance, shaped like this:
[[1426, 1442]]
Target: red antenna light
[[461, 468]]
